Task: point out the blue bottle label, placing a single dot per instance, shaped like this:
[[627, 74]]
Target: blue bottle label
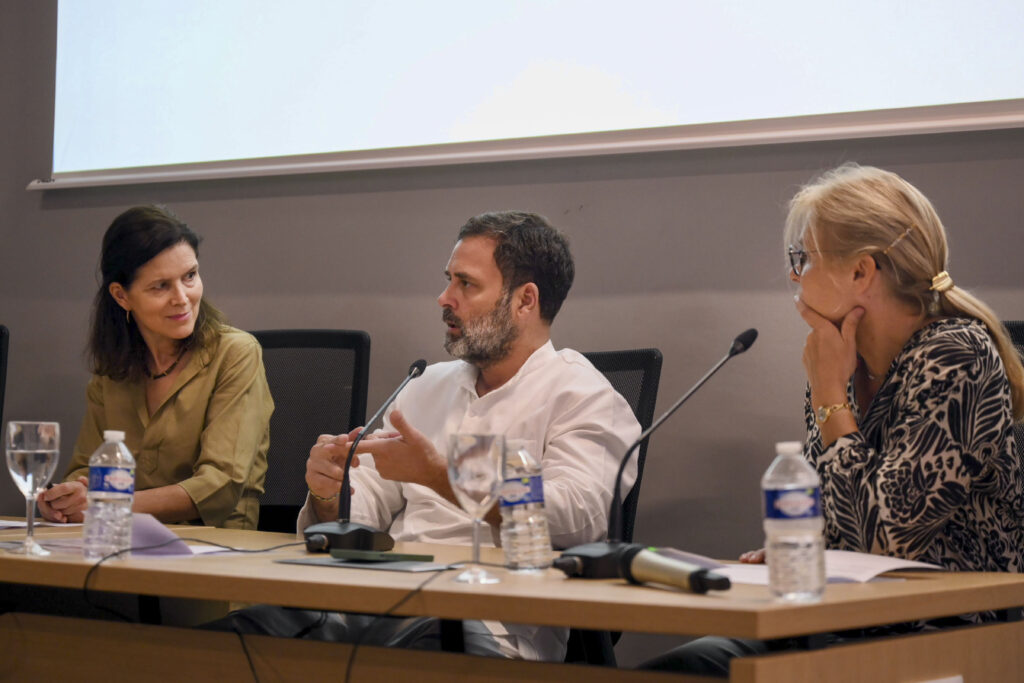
[[522, 491], [112, 479], [792, 503]]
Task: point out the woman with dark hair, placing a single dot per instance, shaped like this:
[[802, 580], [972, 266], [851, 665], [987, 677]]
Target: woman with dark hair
[[188, 390]]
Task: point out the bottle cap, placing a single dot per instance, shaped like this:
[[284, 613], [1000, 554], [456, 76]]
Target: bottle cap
[[113, 435], [789, 448]]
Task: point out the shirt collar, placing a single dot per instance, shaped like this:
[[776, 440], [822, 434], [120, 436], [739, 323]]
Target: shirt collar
[[199, 359], [537, 359]]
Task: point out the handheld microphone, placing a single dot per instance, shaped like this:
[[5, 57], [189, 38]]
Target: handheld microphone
[[638, 564], [343, 533], [600, 560], [643, 565]]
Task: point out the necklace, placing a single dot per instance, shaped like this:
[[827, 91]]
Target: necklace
[[169, 370], [868, 373]]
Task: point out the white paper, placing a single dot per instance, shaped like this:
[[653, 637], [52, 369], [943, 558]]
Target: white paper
[[841, 566], [204, 549], [22, 524]]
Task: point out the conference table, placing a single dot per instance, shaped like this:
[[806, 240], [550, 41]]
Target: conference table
[[55, 646]]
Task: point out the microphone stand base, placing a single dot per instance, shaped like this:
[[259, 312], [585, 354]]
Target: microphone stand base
[[326, 536], [599, 560]]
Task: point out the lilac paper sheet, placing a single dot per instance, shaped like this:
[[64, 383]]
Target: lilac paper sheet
[[148, 531]]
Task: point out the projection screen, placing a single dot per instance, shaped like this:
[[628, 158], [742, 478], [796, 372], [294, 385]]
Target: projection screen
[[166, 90]]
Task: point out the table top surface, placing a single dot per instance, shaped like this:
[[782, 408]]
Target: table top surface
[[548, 598]]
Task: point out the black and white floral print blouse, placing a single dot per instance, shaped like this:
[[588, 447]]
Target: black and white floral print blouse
[[933, 474]]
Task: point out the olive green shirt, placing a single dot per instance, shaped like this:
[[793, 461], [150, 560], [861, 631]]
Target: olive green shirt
[[210, 435]]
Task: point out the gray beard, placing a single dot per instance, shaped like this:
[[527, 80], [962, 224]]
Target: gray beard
[[486, 340]]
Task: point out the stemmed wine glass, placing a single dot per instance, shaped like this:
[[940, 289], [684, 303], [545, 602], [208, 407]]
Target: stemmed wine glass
[[476, 466], [33, 449]]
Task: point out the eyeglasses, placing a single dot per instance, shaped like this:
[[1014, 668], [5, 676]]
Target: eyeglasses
[[798, 258]]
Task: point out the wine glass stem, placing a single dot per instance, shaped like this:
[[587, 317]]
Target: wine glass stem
[[476, 540], [30, 514]]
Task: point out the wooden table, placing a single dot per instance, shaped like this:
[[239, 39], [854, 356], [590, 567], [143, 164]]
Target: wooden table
[[551, 599]]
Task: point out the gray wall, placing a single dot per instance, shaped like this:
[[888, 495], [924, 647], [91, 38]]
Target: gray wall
[[675, 250]]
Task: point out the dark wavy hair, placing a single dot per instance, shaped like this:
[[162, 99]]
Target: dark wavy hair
[[528, 249], [116, 348]]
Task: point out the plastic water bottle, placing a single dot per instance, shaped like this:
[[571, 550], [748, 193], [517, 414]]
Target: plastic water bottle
[[793, 526], [524, 524], [108, 519]]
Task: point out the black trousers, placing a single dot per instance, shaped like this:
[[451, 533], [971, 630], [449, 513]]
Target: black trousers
[[417, 633], [708, 656]]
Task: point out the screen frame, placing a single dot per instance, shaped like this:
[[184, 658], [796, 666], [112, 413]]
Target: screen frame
[[972, 116]]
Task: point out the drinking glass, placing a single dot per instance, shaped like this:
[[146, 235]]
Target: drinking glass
[[476, 466], [33, 449]]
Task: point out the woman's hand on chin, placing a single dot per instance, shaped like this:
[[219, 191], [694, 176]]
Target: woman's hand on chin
[[830, 353]]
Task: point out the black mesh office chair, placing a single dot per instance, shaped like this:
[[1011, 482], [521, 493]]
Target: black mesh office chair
[[4, 335], [1016, 330], [318, 379], [634, 374]]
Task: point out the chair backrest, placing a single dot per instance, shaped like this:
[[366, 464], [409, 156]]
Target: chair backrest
[[635, 374], [319, 380], [1016, 330], [4, 336]]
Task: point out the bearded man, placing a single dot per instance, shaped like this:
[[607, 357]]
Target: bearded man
[[507, 278]]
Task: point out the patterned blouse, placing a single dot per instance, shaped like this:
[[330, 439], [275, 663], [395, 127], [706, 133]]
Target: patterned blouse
[[933, 474]]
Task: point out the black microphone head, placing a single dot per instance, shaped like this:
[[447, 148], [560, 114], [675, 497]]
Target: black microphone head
[[743, 342], [417, 368]]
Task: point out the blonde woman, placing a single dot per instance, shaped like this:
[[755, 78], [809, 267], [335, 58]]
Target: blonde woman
[[913, 389], [914, 384]]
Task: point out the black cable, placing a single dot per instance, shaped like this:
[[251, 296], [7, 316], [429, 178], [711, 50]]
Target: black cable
[[241, 638], [248, 657], [366, 631], [320, 621], [232, 548], [94, 567], [323, 614]]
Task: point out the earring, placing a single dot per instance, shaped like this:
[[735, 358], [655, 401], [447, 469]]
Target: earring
[[127, 317]]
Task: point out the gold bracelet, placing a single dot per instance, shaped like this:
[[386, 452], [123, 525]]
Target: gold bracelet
[[823, 413], [321, 498]]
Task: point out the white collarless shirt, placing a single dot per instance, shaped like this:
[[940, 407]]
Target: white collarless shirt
[[571, 420]]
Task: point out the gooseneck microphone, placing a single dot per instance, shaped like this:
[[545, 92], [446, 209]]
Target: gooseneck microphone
[[343, 533], [739, 345], [615, 559], [345, 497]]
